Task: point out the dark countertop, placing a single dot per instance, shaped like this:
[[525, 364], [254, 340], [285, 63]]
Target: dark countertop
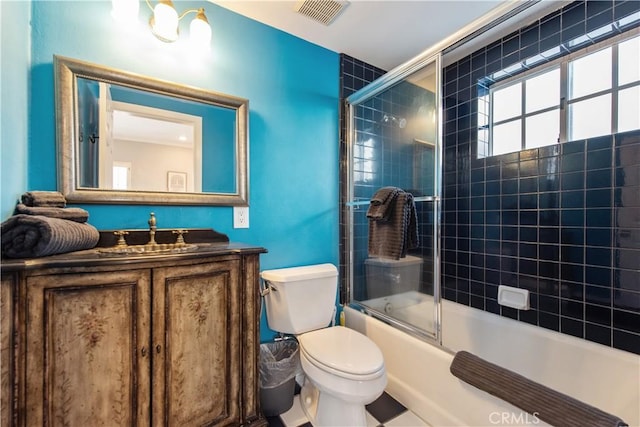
[[202, 243]]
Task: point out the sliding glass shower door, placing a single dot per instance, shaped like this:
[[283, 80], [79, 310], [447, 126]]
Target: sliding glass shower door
[[394, 141]]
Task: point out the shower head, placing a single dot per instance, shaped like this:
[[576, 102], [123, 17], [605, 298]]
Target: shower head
[[401, 122]]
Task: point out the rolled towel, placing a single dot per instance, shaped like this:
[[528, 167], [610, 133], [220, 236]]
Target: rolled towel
[[72, 214], [44, 198], [549, 405], [28, 236]]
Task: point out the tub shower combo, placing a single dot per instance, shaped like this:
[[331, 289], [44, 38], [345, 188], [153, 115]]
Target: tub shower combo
[[393, 135]]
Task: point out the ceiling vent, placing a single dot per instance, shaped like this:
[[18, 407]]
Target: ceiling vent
[[323, 11]]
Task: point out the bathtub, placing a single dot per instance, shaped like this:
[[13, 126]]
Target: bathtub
[[419, 377]]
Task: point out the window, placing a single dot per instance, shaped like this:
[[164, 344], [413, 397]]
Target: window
[[364, 161], [525, 114], [628, 77], [593, 92], [589, 95], [121, 175]]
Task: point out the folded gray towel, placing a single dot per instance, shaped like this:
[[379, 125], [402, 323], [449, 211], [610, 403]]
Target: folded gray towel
[[381, 204], [545, 403], [44, 198], [394, 231], [72, 214], [27, 236]]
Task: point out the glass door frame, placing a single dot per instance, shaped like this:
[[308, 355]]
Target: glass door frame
[[386, 82]]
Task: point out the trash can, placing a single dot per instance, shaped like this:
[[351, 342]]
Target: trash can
[[279, 364]]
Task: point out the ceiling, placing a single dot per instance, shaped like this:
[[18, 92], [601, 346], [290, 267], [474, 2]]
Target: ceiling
[[381, 33]]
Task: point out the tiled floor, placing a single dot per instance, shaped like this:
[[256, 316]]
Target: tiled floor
[[384, 412]]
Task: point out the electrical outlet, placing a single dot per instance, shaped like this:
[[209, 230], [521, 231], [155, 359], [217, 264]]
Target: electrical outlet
[[240, 217]]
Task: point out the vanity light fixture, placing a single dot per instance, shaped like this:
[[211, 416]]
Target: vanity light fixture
[[165, 19], [199, 29]]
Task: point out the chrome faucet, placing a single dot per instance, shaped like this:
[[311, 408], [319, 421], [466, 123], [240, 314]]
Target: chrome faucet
[[152, 229]]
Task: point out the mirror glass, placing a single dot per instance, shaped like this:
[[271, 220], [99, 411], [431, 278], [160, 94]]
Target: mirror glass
[[126, 138]]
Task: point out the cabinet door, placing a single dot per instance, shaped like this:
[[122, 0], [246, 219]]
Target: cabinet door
[[196, 338], [8, 286], [88, 358]]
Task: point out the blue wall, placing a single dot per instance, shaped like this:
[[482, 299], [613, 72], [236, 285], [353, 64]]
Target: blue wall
[[293, 89], [14, 89]]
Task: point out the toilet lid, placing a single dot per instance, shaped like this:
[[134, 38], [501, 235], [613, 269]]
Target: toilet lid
[[342, 349]]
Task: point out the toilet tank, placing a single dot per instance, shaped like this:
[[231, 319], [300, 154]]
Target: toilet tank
[[301, 299], [386, 276]]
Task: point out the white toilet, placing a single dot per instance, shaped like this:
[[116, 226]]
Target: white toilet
[[344, 370]]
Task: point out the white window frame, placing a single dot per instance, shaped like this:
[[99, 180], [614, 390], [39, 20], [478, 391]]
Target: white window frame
[[564, 102]]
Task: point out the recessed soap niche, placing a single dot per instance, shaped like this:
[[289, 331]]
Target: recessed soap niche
[[513, 297]]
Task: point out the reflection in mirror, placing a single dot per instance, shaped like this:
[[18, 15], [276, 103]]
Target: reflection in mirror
[[146, 138], [139, 140]]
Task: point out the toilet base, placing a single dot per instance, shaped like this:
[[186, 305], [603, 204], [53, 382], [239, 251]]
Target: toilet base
[[325, 410]]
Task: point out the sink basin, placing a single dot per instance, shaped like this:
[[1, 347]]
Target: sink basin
[[156, 249]]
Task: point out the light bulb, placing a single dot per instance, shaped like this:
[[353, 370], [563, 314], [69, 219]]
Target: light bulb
[[199, 30], [164, 22]]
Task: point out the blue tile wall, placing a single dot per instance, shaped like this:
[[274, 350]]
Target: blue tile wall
[[354, 75], [561, 221]]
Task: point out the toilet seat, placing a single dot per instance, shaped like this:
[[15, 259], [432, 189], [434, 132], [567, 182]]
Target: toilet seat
[[342, 352]]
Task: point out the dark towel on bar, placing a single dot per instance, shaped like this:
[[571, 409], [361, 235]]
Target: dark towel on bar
[[72, 214], [53, 199], [381, 203], [28, 236], [395, 231], [545, 403]]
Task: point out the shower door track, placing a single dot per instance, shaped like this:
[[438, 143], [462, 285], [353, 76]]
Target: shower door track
[[392, 321]]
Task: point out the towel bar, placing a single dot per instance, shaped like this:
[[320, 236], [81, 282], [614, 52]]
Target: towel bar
[[415, 199]]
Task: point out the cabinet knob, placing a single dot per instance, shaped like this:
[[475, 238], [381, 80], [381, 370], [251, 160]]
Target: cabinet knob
[[158, 348], [143, 351]]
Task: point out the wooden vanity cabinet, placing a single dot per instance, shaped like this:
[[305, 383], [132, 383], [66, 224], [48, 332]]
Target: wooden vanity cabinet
[[170, 342], [8, 348]]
